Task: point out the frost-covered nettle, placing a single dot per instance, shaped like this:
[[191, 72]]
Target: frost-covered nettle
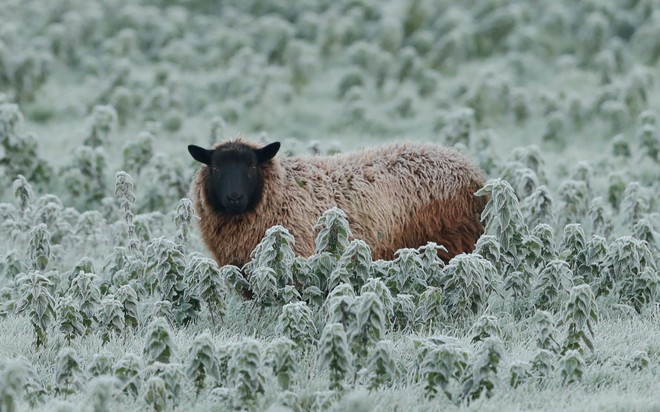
[[413, 194], [126, 197]]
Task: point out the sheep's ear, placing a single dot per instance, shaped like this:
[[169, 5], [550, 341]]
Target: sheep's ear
[[200, 154], [267, 152]]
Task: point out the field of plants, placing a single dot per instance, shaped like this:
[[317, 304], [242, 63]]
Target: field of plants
[[109, 301]]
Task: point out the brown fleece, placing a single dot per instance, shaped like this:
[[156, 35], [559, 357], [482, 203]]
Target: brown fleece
[[401, 195]]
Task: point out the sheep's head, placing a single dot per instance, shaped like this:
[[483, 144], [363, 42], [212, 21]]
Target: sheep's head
[[235, 181]]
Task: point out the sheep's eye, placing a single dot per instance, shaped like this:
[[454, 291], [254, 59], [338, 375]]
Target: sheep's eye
[[253, 167]]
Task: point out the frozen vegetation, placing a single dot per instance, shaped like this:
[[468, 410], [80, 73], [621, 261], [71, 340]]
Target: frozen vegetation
[[108, 300]]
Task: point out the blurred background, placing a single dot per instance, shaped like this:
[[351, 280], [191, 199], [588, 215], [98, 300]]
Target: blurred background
[[90, 88]]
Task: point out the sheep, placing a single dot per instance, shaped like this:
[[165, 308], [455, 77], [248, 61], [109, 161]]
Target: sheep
[[398, 196]]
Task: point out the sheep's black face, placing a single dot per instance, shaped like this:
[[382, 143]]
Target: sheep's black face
[[236, 177]]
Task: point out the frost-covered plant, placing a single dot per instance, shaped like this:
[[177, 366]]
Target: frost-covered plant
[[483, 150], [280, 358], [174, 376], [440, 365], [572, 245], [69, 319], [333, 233], [313, 273], [137, 152], [481, 376], [20, 151], [484, 327], [233, 277], [432, 264], [370, 321], [86, 294], [591, 263], [404, 312], [538, 207], [531, 157], [303, 63], [84, 176], [172, 183], [245, 372], [101, 392], [555, 128], [163, 309], [182, 219], [615, 190], [430, 311], [23, 194], [525, 183], [504, 219], [104, 121], [158, 345], [84, 265], [649, 140], [111, 317], [275, 251], [203, 275], [165, 267], [544, 326], [601, 218], [378, 287], [519, 373], [201, 364], [469, 280], [546, 236], [573, 195], [48, 211], [296, 322], [579, 312], [91, 228], [641, 290], [9, 218], [532, 249], [551, 284], [643, 230], [635, 203], [263, 285], [571, 367], [8, 304], [12, 380], [339, 303], [68, 375], [155, 394], [355, 263], [381, 368], [10, 118], [543, 364], [333, 354], [456, 127], [129, 302], [290, 293], [101, 364], [408, 274], [352, 78], [39, 247], [127, 370], [639, 360], [489, 248], [38, 303], [126, 197], [222, 356], [625, 261]]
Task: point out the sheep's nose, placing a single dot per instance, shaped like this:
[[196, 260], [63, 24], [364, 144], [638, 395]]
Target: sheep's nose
[[234, 197]]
